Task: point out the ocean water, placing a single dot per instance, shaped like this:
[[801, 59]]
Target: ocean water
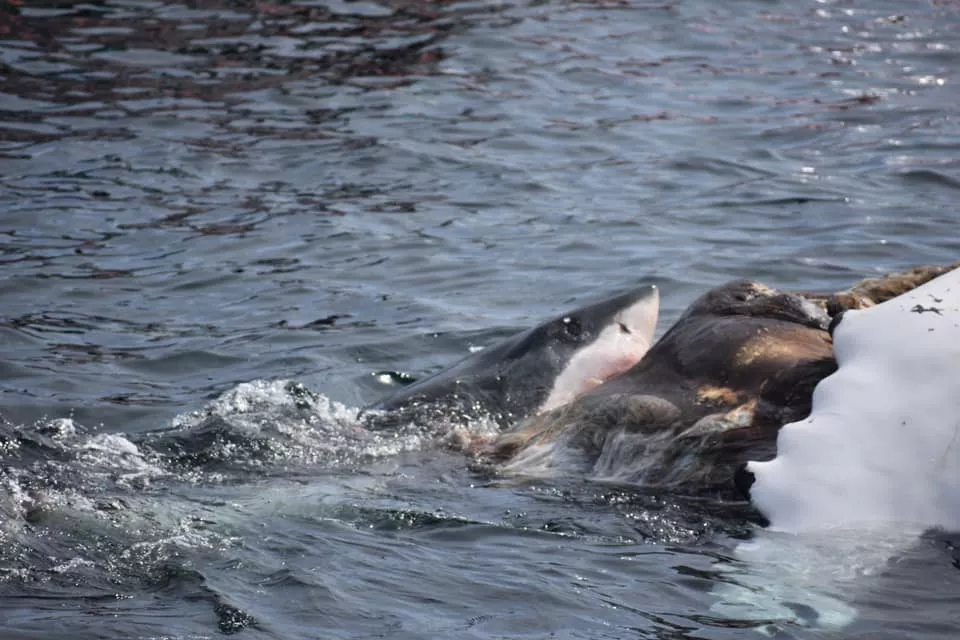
[[222, 219]]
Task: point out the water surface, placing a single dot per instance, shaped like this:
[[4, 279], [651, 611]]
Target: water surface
[[222, 218]]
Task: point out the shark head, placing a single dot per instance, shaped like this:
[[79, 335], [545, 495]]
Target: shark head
[[545, 366], [601, 341], [562, 358]]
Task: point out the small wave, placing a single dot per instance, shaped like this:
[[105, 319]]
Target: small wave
[[74, 504], [273, 424]]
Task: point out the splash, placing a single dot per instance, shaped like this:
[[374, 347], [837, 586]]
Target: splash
[[875, 465], [76, 507], [277, 423]]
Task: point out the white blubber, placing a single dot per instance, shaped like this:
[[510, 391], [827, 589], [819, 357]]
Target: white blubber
[[876, 464], [882, 444]]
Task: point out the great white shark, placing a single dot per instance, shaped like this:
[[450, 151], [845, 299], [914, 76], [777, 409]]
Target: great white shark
[[541, 368]]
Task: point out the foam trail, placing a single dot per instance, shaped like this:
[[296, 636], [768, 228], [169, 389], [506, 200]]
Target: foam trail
[[875, 464]]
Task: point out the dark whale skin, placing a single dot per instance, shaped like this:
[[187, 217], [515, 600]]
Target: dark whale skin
[[711, 394]]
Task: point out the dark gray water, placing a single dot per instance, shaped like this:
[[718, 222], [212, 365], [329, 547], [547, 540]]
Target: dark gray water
[[221, 218]]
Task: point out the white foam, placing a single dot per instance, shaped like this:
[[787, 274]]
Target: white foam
[[251, 398], [117, 457], [306, 427]]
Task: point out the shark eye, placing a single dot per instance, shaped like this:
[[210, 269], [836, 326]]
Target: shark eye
[[572, 328], [624, 328]]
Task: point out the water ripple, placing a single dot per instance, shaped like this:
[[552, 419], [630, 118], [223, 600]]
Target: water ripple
[[201, 194]]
